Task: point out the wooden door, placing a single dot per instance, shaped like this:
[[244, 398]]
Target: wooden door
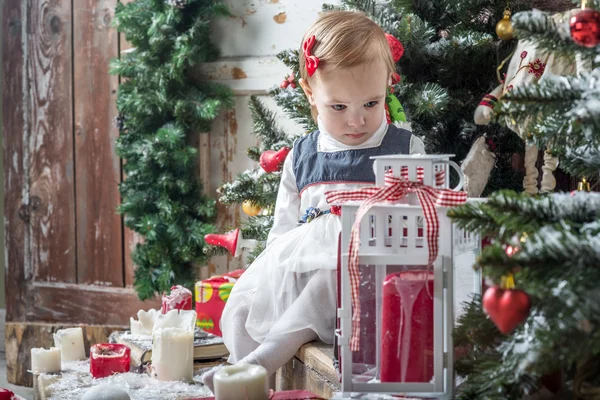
[[65, 245]]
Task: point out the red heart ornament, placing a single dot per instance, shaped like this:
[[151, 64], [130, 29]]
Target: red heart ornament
[[506, 308], [271, 160]]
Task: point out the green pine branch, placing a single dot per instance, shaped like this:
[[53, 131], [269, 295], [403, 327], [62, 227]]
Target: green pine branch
[[256, 186], [548, 32], [560, 113], [265, 127], [507, 213], [582, 161]]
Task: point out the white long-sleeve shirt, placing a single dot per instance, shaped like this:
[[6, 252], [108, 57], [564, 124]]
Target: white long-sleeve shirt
[[291, 205]]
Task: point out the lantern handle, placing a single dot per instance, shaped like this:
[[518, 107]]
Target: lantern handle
[[461, 176]]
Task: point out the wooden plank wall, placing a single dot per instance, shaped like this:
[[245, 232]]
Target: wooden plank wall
[[49, 126], [59, 105], [61, 192], [98, 169], [15, 208]]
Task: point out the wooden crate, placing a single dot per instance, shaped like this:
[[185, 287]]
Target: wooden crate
[[311, 369]]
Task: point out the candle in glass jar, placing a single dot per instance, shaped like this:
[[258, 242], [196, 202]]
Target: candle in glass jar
[[241, 381], [173, 354], [70, 343], [108, 359], [45, 360]]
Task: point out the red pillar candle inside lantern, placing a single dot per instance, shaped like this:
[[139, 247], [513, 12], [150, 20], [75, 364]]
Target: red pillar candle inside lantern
[[179, 299], [107, 359], [407, 327], [6, 394]]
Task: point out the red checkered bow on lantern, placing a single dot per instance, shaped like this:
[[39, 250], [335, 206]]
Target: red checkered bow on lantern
[[440, 177], [395, 189]]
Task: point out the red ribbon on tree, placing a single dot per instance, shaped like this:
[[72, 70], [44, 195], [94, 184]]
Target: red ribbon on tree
[[395, 189]]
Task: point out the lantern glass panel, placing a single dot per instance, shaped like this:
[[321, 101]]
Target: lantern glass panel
[[396, 334]]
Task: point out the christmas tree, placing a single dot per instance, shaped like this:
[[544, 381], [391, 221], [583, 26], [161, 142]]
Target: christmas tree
[[256, 189], [449, 63], [542, 326], [160, 106]]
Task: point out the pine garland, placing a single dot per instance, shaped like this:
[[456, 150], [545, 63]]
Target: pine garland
[[160, 107]]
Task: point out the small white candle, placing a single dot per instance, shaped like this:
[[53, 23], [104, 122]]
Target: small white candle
[[241, 381], [173, 354], [145, 322], [70, 343], [135, 327], [45, 360]]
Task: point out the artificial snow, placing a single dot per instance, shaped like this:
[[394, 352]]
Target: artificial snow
[[76, 381], [106, 392], [376, 396]]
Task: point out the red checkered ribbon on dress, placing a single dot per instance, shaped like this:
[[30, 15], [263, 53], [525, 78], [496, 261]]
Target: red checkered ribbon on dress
[[395, 189]]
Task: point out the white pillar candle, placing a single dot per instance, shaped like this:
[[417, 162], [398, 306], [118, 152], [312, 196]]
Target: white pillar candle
[[45, 360], [241, 381], [70, 343], [173, 354], [135, 327]]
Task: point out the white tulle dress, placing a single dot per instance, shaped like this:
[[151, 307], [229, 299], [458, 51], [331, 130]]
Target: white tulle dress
[[291, 286]]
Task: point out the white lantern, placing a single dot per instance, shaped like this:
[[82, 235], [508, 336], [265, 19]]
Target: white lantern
[[407, 306]]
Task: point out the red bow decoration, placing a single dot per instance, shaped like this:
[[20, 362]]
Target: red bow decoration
[[395, 189], [312, 62], [395, 46]]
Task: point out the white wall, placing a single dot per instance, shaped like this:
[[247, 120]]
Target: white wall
[[249, 42]]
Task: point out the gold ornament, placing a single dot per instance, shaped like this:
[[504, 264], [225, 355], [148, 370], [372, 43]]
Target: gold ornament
[[251, 209], [583, 186], [504, 28]]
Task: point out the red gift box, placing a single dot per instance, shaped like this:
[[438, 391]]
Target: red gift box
[[180, 298], [108, 359], [211, 296]]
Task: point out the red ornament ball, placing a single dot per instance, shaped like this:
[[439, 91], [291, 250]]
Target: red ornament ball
[[395, 46], [284, 84], [585, 28]]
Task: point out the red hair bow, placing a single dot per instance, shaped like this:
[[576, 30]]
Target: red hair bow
[[312, 62], [397, 52]]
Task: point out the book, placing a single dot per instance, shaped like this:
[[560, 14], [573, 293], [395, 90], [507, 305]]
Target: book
[[206, 346]]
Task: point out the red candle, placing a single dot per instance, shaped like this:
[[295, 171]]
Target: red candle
[[407, 327], [179, 299], [6, 394], [107, 359]]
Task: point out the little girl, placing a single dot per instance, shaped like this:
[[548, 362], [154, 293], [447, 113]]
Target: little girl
[[287, 297]]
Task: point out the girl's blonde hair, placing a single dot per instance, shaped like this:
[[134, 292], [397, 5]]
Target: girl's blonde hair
[[346, 39]]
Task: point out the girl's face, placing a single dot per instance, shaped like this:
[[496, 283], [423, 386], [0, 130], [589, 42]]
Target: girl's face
[[350, 101]]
